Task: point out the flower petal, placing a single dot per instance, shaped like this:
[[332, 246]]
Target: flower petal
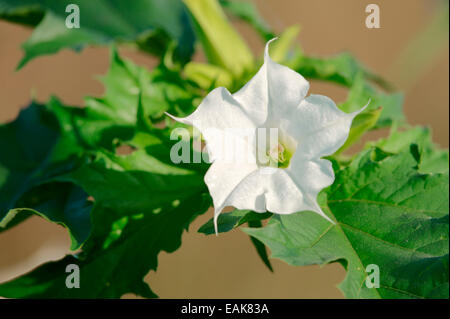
[[254, 97], [275, 88], [286, 87], [270, 189], [218, 110], [319, 127], [311, 176], [222, 179], [217, 115]]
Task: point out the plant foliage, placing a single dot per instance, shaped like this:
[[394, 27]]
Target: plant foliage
[[67, 164]]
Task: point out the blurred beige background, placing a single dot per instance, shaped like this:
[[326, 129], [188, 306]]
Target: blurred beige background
[[228, 266]]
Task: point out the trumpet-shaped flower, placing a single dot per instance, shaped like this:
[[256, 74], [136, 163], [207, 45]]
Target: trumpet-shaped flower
[[285, 175]]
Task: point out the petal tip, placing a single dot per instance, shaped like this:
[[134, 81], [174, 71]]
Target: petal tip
[[216, 216], [363, 108], [266, 50], [184, 120]]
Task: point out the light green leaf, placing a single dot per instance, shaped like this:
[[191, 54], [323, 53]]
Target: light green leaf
[[208, 76], [161, 89], [342, 68], [223, 46], [387, 214], [360, 125], [361, 93], [432, 159]]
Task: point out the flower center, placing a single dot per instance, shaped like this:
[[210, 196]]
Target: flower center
[[279, 156], [279, 150]]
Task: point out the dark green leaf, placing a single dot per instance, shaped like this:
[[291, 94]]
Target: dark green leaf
[[229, 221], [63, 204], [119, 264], [37, 151], [261, 249], [27, 12], [143, 204], [152, 24], [25, 144]]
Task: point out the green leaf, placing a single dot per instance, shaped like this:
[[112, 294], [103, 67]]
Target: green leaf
[[223, 46], [113, 117], [37, 152], [142, 205], [261, 249], [360, 125], [117, 267], [229, 221], [342, 68], [25, 145], [248, 12], [387, 214], [152, 24], [63, 204], [161, 89], [27, 12], [432, 159], [142, 201], [208, 76], [361, 93], [135, 182], [53, 139]]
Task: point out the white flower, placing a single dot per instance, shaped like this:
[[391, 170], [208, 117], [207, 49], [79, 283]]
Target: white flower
[[308, 129]]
